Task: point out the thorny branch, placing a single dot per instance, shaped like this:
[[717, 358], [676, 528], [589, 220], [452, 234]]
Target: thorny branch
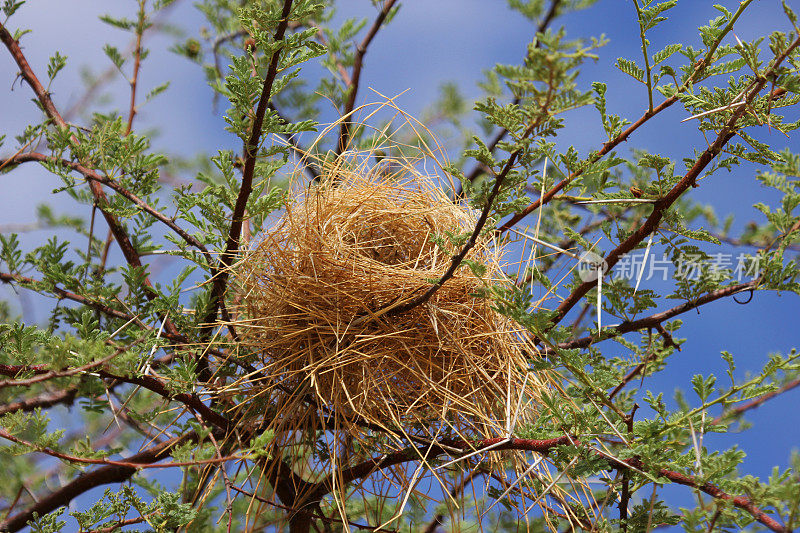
[[116, 228], [689, 180], [355, 78], [607, 147], [431, 451], [24, 281], [148, 382], [479, 169], [220, 273]]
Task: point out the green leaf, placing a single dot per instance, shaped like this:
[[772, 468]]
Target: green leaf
[[114, 55], [121, 23], [54, 66], [665, 53], [630, 68], [10, 7]]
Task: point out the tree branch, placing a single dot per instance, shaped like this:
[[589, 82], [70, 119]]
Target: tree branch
[[402, 307], [689, 180], [117, 229], [740, 502], [358, 63], [191, 400], [755, 402], [479, 168], [607, 147], [137, 61], [93, 176], [31, 283], [431, 451], [128, 464], [220, 274], [49, 399], [699, 69], [89, 480], [658, 318]]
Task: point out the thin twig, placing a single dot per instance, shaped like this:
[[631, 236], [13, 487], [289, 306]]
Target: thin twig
[[220, 273], [480, 169], [755, 402], [104, 475], [355, 78], [688, 180], [697, 73], [658, 318], [115, 227], [93, 176], [137, 61]]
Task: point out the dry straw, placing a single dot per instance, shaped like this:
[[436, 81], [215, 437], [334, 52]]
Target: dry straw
[[314, 316]]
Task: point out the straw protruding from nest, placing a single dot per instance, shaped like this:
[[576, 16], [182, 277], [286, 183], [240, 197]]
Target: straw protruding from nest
[[318, 291], [342, 371]]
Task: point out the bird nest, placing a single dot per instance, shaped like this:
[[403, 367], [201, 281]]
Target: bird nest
[[318, 308], [349, 363]]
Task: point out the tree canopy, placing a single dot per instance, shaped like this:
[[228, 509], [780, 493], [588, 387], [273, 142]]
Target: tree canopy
[[353, 318]]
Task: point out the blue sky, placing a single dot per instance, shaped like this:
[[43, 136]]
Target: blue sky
[[428, 44]]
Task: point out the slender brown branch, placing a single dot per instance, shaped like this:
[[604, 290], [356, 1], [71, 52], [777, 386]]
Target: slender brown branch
[[43, 374], [32, 284], [656, 319], [137, 61], [93, 176], [115, 227], [741, 502], [689, 180], [48, 399], [755, 402], [113, 528], [635, 371], [128, 464], [402, 307], [148, 382], [101, 476], [607, 147], [63, 294], [479, 168], [433, 450], [220, 274], [191, 400], [355, 78]]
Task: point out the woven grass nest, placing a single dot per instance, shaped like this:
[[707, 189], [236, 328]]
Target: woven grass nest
[[314, 295]]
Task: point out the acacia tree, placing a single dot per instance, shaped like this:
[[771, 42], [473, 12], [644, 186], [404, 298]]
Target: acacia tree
[[142, 363]]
